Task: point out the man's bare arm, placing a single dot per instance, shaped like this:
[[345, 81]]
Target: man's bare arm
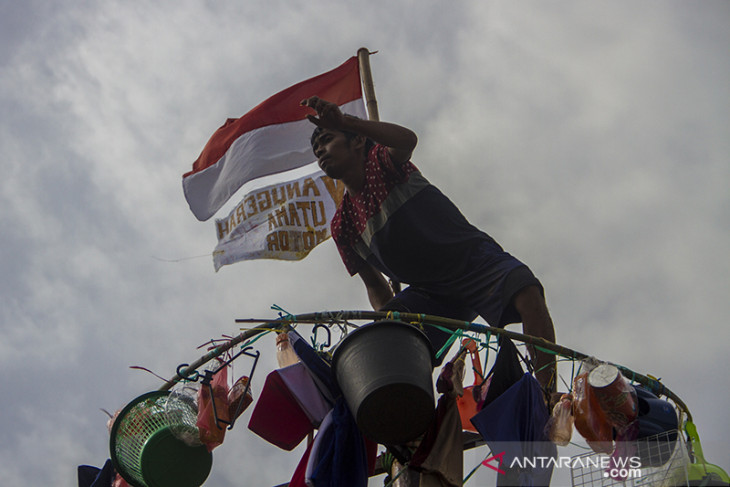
[[379, 292], [400, 140]]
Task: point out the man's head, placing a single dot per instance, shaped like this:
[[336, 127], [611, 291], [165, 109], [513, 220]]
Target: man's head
[[339, 152], [348, 135]]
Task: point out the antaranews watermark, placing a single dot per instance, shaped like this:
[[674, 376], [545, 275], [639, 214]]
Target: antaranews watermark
[[614, 467]]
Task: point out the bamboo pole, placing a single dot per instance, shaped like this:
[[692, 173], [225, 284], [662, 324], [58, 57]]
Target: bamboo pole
[[366, 77], [338, 316], [323, 317], [368, 87], [187, 370]]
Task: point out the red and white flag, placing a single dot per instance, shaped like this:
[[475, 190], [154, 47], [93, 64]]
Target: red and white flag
[[272, 138]]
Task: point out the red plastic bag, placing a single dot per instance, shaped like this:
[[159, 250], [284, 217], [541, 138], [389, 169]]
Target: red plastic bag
[[589, 418], [467, 403], [213, 432]]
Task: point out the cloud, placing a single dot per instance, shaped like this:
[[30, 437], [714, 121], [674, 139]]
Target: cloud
[[592, 142]]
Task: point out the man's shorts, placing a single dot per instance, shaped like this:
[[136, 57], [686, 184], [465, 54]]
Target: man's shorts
[[487, 289]]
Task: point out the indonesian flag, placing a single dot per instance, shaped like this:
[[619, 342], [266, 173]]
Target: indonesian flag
[[272, 138]]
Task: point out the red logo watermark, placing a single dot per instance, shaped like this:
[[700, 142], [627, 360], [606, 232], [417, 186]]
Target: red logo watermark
[[499, 459]]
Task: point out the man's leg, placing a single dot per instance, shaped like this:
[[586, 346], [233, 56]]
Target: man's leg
[[530, 304]]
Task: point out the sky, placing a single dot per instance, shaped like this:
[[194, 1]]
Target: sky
[[591, 139]]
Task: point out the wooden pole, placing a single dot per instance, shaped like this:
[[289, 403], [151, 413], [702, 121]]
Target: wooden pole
[[368, 87], [366, 76], [652, 384]]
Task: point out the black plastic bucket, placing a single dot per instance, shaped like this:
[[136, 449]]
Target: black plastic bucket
[[384, 370]]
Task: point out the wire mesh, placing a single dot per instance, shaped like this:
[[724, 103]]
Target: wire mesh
[[143, 419], [656, 461]]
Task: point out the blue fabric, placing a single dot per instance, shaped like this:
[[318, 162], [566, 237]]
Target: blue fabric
[[89, 476], [319, 369], [342, 456], [514, 423], [506, 371]]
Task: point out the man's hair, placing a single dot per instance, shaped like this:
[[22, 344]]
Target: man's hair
[[369, 143]]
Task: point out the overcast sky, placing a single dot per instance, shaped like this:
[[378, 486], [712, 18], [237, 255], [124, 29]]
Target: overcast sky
[[591, 139]]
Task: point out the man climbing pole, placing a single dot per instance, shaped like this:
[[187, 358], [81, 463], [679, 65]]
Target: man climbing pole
[[392, 221]]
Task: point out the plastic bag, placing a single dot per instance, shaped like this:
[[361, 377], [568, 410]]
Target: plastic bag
[[285, 354], [237, 402], [181, 409], [589, 418], [213, 432], [450, 379], [468, 401], [560, 425]]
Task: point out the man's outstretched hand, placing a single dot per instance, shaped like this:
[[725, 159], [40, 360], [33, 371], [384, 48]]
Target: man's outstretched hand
[[399, 140], [330, 115]]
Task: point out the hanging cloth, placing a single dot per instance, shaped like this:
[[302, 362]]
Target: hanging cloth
[[514, 423], [506, 371], [299, 478], [341, 456], [301, 384], [440, 454], [319, 368], [89, 476], [285, 415], [277, 417], [323, 435]]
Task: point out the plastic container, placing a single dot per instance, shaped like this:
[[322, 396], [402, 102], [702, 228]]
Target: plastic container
[[614, 394], [384, 370], [285, 355], [146, 453]]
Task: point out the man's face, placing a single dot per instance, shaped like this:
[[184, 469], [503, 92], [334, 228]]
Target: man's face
[[336, 154]]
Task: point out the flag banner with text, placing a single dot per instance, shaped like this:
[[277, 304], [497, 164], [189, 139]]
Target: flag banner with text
[[283, 220]]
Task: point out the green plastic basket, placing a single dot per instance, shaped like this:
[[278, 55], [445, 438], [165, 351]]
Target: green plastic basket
[[146, 452]]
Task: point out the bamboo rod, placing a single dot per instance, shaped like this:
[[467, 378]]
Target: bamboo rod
[[340, 316], [218, 351], [368, 86], [335, 316], [366, 77]]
